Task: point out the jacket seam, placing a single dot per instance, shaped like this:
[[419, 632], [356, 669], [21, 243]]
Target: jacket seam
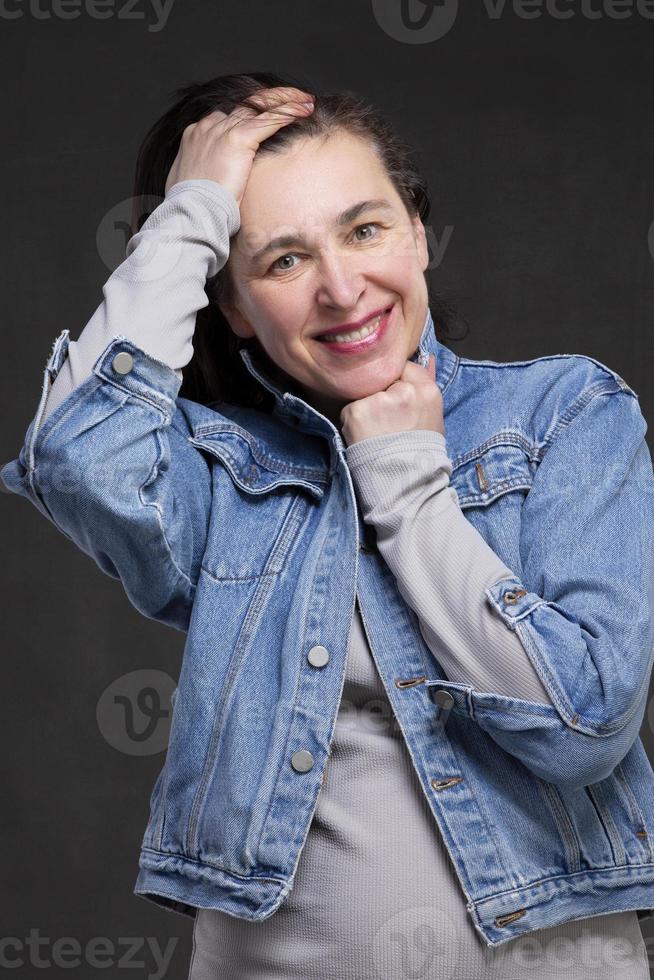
[[205, 862], [575, 408]]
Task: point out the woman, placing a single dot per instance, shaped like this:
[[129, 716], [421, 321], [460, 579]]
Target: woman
[[486, 807]]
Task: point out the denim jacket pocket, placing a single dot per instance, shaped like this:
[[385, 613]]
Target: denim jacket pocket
[[259, 505], [491, 483], [498, 466]]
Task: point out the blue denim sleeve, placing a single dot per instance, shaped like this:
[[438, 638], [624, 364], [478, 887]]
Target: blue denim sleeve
[[113, 470], [584, 604]]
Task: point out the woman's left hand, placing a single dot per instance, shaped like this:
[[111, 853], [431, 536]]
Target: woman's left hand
[[414, 401]]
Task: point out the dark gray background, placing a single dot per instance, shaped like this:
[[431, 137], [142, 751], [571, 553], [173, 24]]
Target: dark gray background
[[534, 133]]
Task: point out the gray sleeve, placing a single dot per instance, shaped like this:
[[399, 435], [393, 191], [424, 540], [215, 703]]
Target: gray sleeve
[[152, 298], [441, 562]]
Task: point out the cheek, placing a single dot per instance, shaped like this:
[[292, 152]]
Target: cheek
[[280, 304], [283, 341], [272, 316], [286, 316], [399, 269], [410, 265]]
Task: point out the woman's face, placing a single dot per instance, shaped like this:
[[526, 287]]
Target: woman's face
[[328, 272]]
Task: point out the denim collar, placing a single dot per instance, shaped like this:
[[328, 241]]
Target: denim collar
[[297, 412]]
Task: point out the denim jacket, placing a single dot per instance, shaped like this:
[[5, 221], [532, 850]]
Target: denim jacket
[[241, 529]]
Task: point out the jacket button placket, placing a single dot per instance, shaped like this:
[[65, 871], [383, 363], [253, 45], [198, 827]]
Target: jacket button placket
[[302, 760]]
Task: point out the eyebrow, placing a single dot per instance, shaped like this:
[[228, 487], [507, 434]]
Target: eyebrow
[[344, 218]]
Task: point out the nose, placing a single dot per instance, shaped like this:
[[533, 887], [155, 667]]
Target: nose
[[341, 281]]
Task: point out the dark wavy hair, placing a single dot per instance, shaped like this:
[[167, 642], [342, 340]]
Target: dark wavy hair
[[216, 371]]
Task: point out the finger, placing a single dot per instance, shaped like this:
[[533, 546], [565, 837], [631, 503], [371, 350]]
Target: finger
[[417, 374], [257, 126], [272, 97], [264, 124], [289, 110], [282, 92]]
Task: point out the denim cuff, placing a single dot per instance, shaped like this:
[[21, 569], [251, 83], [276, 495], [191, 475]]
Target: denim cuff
[[129, 368], [511, 600]]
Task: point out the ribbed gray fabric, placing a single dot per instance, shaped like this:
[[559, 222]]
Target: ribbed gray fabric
[[154, 295], [375, 892], [441, 563]]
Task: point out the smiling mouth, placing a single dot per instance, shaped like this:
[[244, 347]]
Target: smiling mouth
[[352, 336]]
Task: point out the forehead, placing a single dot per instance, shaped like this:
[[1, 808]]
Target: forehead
[[311, 182]]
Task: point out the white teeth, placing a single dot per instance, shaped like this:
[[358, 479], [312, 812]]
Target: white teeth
[[344, 338]]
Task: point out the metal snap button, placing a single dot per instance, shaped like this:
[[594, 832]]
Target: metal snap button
[[442, 698], [318, 656], [443, 701], [123, 362], [512, 597], [302, 760]]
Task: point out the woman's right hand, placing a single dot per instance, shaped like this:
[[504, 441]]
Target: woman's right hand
[[222, 146]]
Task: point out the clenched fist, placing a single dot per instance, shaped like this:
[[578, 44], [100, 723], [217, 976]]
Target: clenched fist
[[414, 401]]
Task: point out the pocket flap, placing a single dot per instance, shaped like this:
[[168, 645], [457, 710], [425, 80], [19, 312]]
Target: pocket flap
[[251, 467], [487, 472]]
